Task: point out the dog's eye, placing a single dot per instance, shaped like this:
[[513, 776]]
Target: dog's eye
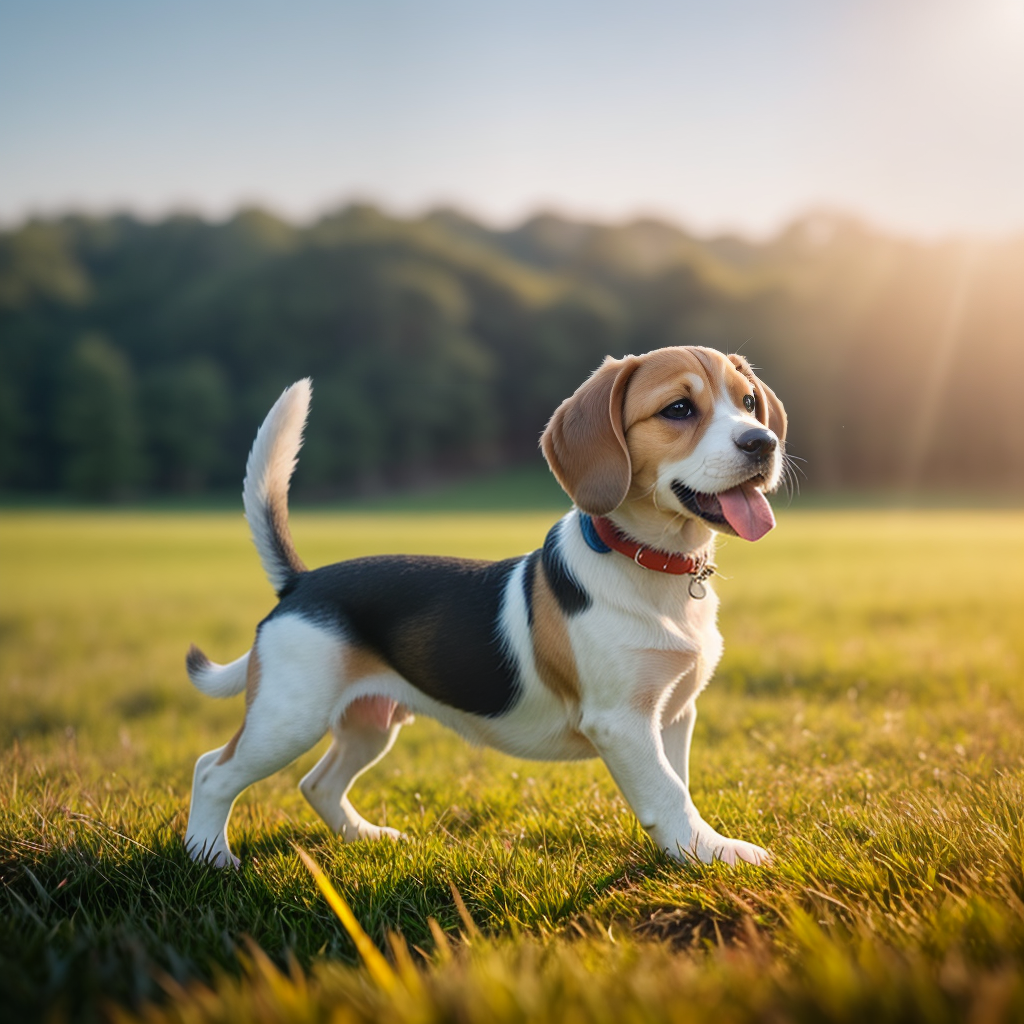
[[679, 410], [748, 403]]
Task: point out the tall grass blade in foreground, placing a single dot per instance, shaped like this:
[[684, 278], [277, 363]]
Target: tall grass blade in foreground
[[379, 969]]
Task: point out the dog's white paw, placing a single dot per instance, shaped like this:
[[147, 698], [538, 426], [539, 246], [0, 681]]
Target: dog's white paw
[[733, 851], [364, 830], [708, 846], [216, 855], [383, 832]]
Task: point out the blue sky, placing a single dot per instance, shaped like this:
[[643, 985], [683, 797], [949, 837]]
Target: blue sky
[[737, 114]]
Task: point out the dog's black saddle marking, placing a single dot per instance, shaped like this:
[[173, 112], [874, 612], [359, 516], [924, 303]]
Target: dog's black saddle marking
[[434, 620], [569, 594]]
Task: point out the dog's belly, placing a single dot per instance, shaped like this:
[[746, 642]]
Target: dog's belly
[[539, 726], [534, 729], [565, 745]]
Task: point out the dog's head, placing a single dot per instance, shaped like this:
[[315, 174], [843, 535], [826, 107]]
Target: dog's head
[[681, 439]]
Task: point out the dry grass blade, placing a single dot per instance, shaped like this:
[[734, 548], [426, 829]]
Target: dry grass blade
[[468, 923], [380, 970]]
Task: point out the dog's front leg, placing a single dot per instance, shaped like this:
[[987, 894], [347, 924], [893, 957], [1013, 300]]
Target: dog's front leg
[[676, 738], [630, 744]]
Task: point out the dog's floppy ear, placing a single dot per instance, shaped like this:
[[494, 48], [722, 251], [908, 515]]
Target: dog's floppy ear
[[769, 410], [585, 441]]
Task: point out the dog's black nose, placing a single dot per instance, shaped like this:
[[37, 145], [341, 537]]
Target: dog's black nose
[[758, 441]]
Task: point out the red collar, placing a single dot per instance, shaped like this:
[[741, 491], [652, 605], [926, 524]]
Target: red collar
[[649, 558]]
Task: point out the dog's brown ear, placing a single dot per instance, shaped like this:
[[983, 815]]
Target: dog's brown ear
[[585, 442], [777, 419], [769, 410]]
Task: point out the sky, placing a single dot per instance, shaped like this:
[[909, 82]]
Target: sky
[[731, 115]]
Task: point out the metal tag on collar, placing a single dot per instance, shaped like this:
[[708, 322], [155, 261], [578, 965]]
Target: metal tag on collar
[[696, 589]]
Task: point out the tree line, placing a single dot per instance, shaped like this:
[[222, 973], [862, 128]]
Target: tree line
[[138, 358]]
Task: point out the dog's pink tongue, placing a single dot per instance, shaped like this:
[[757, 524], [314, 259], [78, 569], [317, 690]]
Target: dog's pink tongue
[[747, 510]]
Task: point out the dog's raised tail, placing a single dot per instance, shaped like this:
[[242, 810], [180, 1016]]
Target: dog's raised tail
[[216, 680], [265, 491]]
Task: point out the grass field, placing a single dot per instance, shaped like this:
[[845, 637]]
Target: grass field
[[865, 724]]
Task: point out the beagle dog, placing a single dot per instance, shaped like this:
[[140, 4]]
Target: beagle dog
[[595, 645]]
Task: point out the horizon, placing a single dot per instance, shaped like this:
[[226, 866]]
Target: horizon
[[626, 220]]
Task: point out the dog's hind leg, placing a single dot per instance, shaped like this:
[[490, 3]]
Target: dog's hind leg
[[264, 745], [206, 837], [292, 688], [366, 733]]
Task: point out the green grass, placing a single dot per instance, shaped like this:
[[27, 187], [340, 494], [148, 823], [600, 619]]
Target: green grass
[[865, 724]]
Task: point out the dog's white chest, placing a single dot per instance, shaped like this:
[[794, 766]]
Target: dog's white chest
[[648, 656]]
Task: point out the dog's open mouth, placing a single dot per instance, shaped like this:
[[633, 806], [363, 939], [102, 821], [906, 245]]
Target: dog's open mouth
[[743, 508]]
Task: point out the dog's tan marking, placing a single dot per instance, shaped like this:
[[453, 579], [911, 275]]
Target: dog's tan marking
[[660, 671], [253, 675], [769, 410], [663, 377], [552, 649], [379, 712], [252, 685], [361, 662], [229, 751], [277, 511], [737, 385], [711, 363]]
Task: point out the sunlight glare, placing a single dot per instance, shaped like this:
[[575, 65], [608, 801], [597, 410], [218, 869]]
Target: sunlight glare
[[1010, 16]]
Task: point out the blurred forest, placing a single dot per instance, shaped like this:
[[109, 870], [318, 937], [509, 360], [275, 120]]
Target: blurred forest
[[138, 358]]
